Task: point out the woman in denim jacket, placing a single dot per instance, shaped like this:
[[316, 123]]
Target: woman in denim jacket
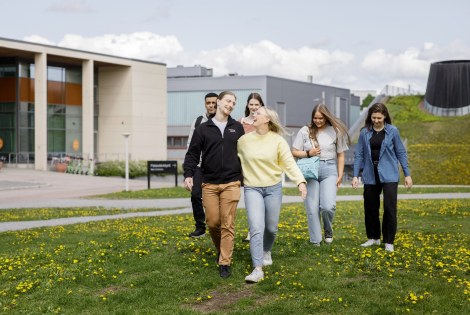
[[379, 150]]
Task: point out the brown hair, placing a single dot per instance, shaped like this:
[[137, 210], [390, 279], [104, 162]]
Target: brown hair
[[255, 96], [377, 108], [337, 124], [222, 94]]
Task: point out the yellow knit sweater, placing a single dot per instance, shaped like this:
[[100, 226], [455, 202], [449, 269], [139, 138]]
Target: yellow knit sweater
[[264, 158]]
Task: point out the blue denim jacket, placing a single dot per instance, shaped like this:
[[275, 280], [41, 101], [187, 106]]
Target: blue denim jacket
[[391, 152]]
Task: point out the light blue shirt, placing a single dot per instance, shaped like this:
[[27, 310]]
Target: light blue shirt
[[391, 152]]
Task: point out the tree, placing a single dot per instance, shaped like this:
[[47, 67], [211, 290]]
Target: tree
[[369, 98]]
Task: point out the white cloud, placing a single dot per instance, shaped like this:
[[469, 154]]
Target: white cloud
[[141, 45], [406, 68], [265, 57], [410, 68], [406, 64]]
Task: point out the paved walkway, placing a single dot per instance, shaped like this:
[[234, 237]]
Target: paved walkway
[[26, 188]]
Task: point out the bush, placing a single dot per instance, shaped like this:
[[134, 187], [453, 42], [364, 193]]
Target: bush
[[367, 100], [118, 168]]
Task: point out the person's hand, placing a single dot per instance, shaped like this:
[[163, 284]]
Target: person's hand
[[303, 190], [314, 151], [188, 183], [355, 182], [247, 120], [339, 181], [408, 182]]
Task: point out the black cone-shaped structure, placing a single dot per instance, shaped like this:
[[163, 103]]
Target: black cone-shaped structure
[[448, 90]]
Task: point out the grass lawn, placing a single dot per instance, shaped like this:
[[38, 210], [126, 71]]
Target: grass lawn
[[179, 192], [149, 266], [29, 214]]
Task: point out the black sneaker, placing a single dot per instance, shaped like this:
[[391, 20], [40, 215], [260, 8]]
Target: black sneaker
[[197, 233], [224, 271]]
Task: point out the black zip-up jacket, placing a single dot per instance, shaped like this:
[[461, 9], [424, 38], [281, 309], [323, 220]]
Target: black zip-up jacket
[[220, 163]]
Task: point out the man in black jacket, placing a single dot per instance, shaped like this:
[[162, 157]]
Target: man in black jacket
[[216, 140]]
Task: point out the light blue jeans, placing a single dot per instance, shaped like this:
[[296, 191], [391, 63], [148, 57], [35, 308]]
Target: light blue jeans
[[263, 205], [321, 201]]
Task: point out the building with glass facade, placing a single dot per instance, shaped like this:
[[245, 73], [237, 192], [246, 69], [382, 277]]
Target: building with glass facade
[[57, 102]]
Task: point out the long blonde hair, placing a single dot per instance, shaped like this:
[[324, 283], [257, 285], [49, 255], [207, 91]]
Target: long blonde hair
[[274, 124]]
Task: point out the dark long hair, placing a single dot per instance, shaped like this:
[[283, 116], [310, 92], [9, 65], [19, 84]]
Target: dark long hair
[[255, 96], [377, 108]]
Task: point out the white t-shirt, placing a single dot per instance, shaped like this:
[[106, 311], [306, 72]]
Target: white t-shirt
[[330, 144], [219, 124]]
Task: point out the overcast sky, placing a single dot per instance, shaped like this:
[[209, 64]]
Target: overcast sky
[[362, 44]]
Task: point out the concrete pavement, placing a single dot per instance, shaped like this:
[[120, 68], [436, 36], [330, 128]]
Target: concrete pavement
[[26, 188]]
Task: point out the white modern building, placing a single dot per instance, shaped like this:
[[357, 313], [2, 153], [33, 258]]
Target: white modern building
[[56, 101]]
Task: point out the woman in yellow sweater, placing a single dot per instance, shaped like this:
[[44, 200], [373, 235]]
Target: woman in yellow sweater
[[264, 156]]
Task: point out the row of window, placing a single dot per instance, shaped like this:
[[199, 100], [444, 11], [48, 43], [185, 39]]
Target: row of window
[[176, 142], [54, 73]]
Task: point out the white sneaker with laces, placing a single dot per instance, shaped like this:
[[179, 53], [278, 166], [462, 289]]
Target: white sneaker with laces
[[389, 247], [370, 242], [328, 240], [255, 276], [267, 260]]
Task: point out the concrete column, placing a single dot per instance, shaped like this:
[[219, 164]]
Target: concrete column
[[87, 109], [40, 111]]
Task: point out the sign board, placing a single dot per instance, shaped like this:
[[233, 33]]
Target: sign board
[[160, 168]]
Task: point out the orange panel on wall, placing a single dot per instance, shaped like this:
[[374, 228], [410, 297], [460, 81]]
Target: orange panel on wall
[[7, 89], [55, 92], [64, 93], [26, 90], [73, 94]]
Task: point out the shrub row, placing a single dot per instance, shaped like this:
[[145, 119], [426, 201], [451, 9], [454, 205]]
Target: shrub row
[[118, 168]]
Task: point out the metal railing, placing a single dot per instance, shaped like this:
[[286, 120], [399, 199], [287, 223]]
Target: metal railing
[[391, 90]]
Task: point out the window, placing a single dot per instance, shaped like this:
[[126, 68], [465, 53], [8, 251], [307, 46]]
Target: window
[[177, 142]]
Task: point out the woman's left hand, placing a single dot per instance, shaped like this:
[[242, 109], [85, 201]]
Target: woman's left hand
[[408, 182], [303, 190]]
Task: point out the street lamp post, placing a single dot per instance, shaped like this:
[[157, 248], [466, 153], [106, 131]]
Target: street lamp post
[[126, 137]]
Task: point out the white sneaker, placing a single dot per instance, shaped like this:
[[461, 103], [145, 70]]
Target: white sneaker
[[370, 242], [267, 260], [247, 238], [255, 276], [389, 247], [328, 240]]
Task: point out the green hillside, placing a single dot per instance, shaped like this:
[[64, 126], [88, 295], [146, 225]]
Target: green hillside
[[438, 147]]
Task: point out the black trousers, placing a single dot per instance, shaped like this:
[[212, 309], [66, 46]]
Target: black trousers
[[372, 207], [196, 200]]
